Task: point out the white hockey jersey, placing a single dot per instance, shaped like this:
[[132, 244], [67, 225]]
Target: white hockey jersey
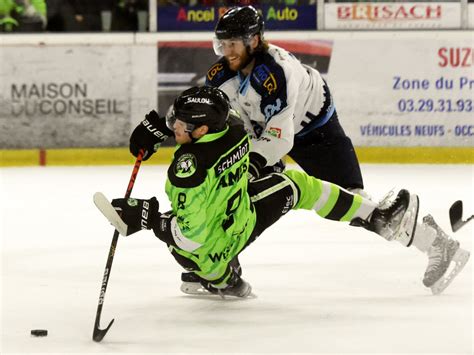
[[279, 100]]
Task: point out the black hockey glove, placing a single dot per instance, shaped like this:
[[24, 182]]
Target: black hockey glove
[[137, 214], [257, 168], [256, 164], [149, 135]]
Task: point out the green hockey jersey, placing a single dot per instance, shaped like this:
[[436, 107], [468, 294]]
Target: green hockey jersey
[[207, 187]]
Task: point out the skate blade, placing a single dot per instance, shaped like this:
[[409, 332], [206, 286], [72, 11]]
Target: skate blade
[[250, 295], [460, 259], [408, 224], [194, 288]]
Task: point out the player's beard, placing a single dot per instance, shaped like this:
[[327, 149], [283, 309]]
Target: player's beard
[[241, 62]]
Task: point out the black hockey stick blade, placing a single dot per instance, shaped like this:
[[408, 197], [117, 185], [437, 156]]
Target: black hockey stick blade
[[455, 216], [99, 334]]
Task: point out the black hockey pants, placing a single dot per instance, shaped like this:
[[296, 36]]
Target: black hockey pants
[[272, 196], [328, 154]]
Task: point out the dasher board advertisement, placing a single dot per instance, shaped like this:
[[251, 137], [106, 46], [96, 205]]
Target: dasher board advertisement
[[55, 96], [393, 15], [413, 89], [204, 18]]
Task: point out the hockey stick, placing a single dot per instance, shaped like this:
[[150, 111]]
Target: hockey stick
[[455, 216], [99, 334]]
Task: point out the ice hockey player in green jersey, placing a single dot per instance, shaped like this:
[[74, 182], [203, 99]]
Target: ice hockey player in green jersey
[[216, 212]]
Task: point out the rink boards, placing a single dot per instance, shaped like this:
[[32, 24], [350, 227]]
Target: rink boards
[[74, 99]]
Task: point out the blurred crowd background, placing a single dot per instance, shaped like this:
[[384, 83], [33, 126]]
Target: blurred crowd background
[[73, 15], [112, 15]]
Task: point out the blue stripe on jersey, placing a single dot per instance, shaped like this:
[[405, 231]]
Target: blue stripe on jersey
[[244, 84]]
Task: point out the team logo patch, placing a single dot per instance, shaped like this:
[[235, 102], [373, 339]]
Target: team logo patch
[[270, 84], [216, 68], [185, 166], [132, 202], [271, 110], [274, 131], [265, 77]]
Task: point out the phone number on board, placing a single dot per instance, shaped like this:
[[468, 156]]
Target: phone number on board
[[435, 105]]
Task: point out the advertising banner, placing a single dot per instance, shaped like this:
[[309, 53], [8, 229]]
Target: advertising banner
[[200, 18], [408, 89], [415, 90], [73, 95], [393, 15]]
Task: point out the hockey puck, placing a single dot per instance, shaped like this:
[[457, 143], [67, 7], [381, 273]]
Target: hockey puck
[[39, 332]]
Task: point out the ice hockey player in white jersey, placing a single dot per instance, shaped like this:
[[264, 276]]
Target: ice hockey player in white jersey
[[286, 106]]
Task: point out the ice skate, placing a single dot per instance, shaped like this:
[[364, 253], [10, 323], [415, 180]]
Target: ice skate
[[443, 252], [394, 220], [238, 288], [191, 284]]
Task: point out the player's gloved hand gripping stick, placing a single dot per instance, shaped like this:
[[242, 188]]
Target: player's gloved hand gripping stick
[[149, 135], [98, 333]]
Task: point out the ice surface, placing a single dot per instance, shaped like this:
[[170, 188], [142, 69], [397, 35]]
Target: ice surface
[[322, 286]]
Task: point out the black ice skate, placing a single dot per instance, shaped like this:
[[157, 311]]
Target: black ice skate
[[238, 287], [395, 220], [441, 254], [192, 284]]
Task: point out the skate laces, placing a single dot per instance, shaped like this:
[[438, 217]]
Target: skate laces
[[392, 208], [438, 252], [386, 201]]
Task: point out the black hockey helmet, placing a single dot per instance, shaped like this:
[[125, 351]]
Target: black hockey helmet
[[240, 22], [197, 106]]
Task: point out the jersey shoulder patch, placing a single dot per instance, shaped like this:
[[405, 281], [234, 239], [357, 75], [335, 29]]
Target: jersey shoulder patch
[[186, 170], [268, 77], [192, 161], [269, 81], [219, 73]]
